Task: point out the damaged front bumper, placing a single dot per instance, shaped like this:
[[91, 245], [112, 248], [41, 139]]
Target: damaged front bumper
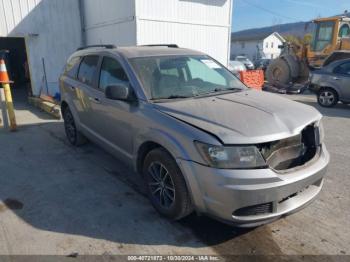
[[248, 198]]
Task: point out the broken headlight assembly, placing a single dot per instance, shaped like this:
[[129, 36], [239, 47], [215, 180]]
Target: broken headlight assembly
[[231, 157], [320, 129]]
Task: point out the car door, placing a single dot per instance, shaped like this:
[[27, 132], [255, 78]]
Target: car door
[[69, 82], [342, 79], [112, 119], [84, 90]]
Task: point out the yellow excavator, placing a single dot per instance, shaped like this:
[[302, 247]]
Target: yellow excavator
[[330, 42]]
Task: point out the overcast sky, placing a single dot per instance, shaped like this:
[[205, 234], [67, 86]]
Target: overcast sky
[[260, 13]]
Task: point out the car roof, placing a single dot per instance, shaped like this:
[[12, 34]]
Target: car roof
[[141, 51]]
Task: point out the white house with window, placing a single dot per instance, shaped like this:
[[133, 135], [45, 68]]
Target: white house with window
[[256, 46]]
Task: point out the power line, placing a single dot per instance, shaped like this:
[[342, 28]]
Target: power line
[[270, 11]]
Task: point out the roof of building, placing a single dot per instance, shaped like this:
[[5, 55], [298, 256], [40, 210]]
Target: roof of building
[[238, 37]]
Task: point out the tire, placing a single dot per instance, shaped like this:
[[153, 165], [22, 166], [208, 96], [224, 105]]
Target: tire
[[327, 97], [166, 186], [278, 71], [75, 137]]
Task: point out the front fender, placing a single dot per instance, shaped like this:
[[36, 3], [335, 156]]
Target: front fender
[[162, 138]]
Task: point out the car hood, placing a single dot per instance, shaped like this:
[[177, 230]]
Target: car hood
[[246, 117]]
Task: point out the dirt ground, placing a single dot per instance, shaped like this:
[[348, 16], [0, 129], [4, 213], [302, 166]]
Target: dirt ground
[[59, 200]]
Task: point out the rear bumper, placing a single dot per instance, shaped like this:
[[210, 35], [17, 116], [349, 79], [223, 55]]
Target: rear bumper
[[224, 194]]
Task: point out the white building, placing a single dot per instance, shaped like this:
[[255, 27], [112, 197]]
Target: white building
[[256, 46], [46, 32], [43, 31]]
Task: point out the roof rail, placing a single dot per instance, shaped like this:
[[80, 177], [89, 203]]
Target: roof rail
[[165, 45], [92, 46]]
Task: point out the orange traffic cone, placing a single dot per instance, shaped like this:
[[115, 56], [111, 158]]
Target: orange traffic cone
[[4, 77], [5, 84]]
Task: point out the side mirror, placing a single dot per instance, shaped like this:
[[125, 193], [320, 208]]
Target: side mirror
[[118, 92]]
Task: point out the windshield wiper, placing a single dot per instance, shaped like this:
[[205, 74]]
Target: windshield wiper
[[171, 97], [218, 90]]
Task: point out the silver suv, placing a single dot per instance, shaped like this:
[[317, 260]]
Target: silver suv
[[201, 140]]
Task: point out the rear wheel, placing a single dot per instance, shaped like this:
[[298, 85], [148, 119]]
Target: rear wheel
[[327, 97], [278, 71], [166, 185], [73, 135]]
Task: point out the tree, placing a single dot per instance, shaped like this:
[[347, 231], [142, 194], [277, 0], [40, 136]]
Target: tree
[[307, 39], [298, 40], [293, 39]]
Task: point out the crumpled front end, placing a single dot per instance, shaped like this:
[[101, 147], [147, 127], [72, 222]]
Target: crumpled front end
[[293, 177]]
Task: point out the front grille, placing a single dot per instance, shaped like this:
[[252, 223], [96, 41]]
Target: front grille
[[260, 209], [291, 152]]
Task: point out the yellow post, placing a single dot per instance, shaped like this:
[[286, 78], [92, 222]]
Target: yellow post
[[5, 83], [10, 108], [3, 109]]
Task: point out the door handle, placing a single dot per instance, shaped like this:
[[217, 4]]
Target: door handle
[[336, 78], [95, 100]]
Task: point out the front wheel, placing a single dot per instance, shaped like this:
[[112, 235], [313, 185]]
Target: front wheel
[[166, 185], [327, 97]]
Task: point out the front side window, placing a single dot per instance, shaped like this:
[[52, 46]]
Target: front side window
[[323, 35], [183, 76], [112, 73], [87, 70], [343, 69]]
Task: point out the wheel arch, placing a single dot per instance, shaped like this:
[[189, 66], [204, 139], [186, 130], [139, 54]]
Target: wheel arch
[[64, 106], [160, 139], [325, 86], [143, 151]]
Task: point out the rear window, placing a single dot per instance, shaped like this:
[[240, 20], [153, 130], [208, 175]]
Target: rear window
[[72, 67], [87, 70]]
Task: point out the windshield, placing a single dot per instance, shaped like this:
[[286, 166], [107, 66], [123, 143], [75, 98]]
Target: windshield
[[323, 35], [174, 77]]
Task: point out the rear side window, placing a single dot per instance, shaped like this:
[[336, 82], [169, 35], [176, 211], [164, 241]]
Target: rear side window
[[343, 69], [87, 70], [72, 67]]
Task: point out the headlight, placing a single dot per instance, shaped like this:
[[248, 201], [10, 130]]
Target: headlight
[[231, 157]]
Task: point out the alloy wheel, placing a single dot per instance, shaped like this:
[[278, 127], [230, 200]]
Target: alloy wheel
[[327, 98], [161, 185]]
